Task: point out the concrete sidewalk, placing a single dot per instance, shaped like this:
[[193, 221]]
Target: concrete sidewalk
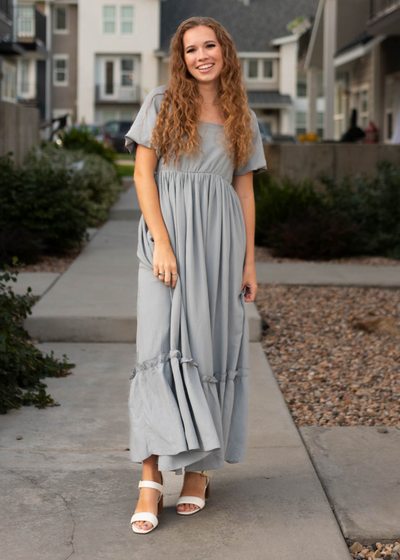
[[322, 274], [69, 489], [95, 299]]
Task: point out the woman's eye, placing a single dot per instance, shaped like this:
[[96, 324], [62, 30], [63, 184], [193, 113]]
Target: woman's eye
[[210, 45]]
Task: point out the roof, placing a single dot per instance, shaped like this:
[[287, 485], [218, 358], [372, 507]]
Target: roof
[[361, 39], [252, 27], [268, 99]]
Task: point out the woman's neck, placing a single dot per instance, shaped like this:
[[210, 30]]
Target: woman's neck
[[208, 93]]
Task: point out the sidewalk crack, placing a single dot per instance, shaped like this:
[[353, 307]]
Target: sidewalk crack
[[32, 481]]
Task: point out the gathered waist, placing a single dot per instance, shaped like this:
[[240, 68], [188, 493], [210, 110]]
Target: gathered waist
[[196, 173]]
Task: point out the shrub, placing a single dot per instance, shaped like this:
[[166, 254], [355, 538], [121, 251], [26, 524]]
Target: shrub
[[49, 202], [80, 138], [278, 203], [40, 200], [22, 366], [96, 180], [373, 204], [317, 234]]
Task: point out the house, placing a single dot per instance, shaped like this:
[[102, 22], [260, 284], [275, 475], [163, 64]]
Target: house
[[23, 55], [268, 51], [357, 47], [23, 52], [117, 68]]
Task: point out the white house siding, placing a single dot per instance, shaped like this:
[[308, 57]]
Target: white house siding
[[94, 44], [288, 84]]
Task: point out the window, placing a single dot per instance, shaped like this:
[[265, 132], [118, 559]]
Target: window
[[359, 101], [60, 19], [268, 69], [24, 76], [126, 20], [60, 70], [9, 82], [127, 71], [340, 109], [389, 103], [301, 84], [252, 69], [25, 21], [320, 124], [301, 122], [109, 16], [259, 69]]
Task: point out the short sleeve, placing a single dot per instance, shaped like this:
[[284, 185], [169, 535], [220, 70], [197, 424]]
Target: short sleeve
[[142, 127], [256, 161]]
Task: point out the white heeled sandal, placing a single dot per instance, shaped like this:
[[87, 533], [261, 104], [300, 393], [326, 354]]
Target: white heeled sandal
[[195, 499], [147, 515]]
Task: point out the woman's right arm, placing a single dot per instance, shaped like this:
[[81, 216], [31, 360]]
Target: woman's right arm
[[164, 259]]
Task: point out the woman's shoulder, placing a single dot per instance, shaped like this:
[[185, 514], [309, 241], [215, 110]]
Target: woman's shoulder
[[155, 96]]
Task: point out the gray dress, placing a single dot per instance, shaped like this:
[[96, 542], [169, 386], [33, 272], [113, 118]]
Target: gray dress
[[188, 399]]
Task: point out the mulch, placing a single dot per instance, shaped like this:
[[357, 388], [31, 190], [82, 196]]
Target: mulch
[[335, 352]]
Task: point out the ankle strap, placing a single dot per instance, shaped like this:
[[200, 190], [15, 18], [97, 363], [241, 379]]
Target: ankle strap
[[150, 484], [204, 473]]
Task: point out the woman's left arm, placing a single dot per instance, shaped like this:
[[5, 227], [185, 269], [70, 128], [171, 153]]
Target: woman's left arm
[[243, 185]]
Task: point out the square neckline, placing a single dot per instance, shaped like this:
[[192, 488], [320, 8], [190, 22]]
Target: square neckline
[[209, 122]]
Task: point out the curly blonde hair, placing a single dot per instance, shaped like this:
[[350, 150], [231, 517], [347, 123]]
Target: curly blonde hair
[[181, 106]]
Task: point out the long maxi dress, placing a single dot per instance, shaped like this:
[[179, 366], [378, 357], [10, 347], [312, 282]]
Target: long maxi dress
[[188, 398]]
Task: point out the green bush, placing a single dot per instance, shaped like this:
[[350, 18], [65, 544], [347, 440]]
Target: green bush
[[353, 217], [22, 366], [49, 202], [278, 203], [373, 204], [96, 180], [80, 138]]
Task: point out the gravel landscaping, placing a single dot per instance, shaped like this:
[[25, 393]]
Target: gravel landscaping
[[380, 550], [335, 352]]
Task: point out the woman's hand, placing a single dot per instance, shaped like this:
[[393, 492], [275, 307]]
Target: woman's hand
[[164, 261], [250, 281]]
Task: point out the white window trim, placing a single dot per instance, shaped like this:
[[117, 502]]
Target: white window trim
[[61, 31], [360, 114], [20, 93], [260, 78], [13, 69], [104, 20], [122, 20], [61, 57], [340, 117], [389, 110]]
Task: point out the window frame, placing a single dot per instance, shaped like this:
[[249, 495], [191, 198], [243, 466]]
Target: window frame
[[356, 92], [123, 20], [9, 70], [56, 58], [260, 70], [25, 63], [55, 29], [105, 20]]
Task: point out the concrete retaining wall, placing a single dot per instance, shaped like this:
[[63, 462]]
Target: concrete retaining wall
[[303, 161], [19, 127]]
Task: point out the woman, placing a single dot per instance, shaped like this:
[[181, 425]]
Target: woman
[[197, 145]]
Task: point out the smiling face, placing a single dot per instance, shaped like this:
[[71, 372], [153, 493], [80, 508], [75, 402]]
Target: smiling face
[[202, 54]]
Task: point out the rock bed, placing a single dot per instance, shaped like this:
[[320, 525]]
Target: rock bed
[[380, 550], [335, 352], [263, 254]]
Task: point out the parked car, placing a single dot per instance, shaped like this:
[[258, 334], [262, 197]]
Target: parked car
[[114, 134], [284, 139], [265, 134]]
